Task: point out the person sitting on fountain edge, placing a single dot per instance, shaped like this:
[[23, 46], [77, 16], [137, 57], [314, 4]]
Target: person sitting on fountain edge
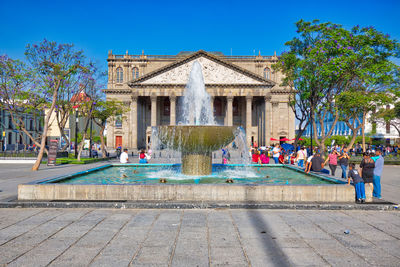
[[124, 156], [143, 157], [317, 164]]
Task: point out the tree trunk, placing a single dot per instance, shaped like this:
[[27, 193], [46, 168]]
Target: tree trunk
[[103, 150], [363, 131], [81, 145], [84, 136], [353, 138], [300, 133], [35, 166]]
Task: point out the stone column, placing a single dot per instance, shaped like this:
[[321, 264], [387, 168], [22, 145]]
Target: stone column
[[172, 115], [275, 119], [134, 122], [229, 110], [153, 99], [268, 120], [249, 99]]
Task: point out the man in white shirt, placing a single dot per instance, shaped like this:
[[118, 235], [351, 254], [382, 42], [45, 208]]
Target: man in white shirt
[[301, 156], [276, 153], [124, 156]]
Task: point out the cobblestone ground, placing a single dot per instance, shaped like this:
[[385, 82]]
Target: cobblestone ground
[[105, 237]]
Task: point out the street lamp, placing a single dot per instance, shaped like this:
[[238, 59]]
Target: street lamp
[[76, 130]]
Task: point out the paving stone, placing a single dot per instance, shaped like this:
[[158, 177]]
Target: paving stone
[[29, 240], [82, 252], [227, 256], [355, 242], [47, 251], [21, 227], [110, 237], [12, 216], [125, 244]]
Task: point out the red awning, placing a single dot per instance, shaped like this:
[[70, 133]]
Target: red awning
[[300, 139], [273, 139], [284, 139]]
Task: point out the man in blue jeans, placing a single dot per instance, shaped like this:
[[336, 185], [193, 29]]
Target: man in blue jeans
[[379, 162]]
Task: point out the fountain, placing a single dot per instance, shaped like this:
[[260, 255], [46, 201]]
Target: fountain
[[196, 136]]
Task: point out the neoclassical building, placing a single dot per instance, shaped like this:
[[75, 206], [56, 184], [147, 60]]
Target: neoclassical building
[[245, 91]]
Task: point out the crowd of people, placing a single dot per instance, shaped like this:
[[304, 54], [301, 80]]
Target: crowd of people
[[368, 174]]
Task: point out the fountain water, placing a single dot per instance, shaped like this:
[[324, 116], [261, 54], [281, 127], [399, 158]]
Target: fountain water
[[196, 136], [196, 101]]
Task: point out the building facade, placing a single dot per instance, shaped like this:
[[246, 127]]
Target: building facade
[[245, 91], [14, 139], [374, 130], [340, 127]]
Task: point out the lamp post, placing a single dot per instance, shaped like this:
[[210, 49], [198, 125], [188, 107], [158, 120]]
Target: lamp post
[[76, 131], [90, 142]]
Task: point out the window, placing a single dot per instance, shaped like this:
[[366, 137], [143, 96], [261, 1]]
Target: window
[[118, 121], [10, 138], [120, 75], [135, 73], [10, 124], [31, 125], [267, 73]]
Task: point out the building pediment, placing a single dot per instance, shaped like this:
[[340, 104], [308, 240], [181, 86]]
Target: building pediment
[[215, 71]]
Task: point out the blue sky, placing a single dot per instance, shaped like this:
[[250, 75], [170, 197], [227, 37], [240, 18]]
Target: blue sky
[[168, 27]]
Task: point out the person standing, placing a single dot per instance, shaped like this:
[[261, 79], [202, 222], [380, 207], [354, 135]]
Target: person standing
[[124, 156], [358, 183], [255, 158], [301, 156], [379, 162], [226, 156], [344, 162], [332, 158], [367, 171], [276, 153]]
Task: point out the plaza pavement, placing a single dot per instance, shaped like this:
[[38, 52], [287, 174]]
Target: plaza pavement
[[149, 237], [193, 237]]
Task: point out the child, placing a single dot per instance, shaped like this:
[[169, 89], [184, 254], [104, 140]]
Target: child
[[143, 157], [358, 183]]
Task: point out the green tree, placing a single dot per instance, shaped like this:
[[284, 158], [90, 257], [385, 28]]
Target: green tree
[[354, 105], [327, 59], [20, 95], [52, 65], [106, 111]]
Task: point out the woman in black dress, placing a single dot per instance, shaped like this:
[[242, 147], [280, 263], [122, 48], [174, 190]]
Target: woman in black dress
[[367, 172]]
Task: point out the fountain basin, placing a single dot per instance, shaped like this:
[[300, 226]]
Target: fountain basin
[[93, 185], [196, 144]]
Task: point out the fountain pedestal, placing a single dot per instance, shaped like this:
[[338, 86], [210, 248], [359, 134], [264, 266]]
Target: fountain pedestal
[[196, 164], [196, 143]]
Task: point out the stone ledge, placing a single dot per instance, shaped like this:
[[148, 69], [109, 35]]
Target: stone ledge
[[187, 193], [198, 205]]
